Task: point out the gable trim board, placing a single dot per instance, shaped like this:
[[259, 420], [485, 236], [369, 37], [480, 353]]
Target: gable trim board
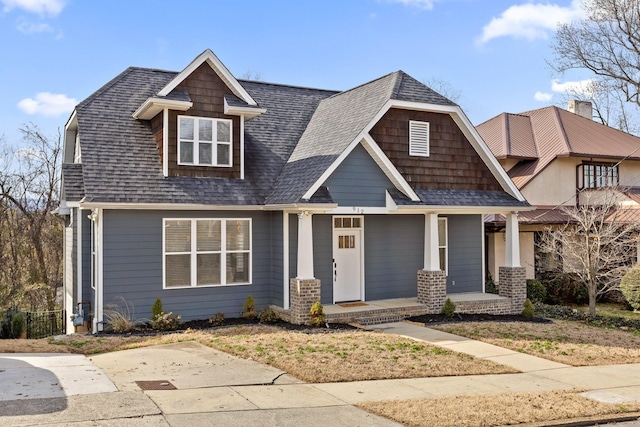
[[216, 65], [394, 175]]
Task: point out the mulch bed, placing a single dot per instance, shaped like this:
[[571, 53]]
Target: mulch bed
[[436, 319]]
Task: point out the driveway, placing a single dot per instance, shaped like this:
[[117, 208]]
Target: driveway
[[182, 384]]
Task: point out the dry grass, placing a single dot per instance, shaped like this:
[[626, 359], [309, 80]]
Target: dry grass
[[496, 410], [352, 356], [341, 356], [562, 341]]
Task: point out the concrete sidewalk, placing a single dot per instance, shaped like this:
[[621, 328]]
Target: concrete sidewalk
[[214, 388]]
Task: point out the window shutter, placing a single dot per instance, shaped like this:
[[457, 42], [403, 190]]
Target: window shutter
[[418, 138]]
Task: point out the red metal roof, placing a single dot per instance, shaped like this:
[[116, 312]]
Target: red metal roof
[[538, 137]]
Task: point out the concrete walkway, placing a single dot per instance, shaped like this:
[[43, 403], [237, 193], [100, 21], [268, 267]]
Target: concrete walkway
[[209, 387]]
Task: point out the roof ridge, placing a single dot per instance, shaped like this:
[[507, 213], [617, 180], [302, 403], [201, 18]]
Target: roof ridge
[[507, 135], [395, 89], [335, 91], [361, 85], [560, 124], [113, 81]]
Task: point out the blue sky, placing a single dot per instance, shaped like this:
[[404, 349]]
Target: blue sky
[[57, 52]]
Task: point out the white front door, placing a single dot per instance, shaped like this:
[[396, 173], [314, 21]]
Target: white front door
[[347, 259]]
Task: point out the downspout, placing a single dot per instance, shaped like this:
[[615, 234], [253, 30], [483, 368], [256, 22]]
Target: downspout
[[96, 273]]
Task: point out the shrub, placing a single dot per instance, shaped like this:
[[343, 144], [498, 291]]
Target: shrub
[[528, 309], [166, 322], [249, 308], [156, 310], [268, 315], [317, 314], [630, 287], [120, 318], [217, 320], [565, 289], [490, 286], [18, 324], [449, 308], [536, 291]]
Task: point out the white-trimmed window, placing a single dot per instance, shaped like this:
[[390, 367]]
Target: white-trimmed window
[[442, 245], [204, 142], [206, 252], [418, 138]]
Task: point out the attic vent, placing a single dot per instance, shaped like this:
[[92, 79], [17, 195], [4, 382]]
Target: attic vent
[[418, 138]]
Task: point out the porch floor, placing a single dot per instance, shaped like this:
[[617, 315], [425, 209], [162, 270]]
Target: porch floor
[[398, 308]]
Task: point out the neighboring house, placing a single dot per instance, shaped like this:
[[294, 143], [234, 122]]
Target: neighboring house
[[200, 189], [556, 158]]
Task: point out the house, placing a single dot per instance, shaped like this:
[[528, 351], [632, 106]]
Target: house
[[557, 158], [201, 189]]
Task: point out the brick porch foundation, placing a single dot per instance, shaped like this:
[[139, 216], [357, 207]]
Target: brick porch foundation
[[513, 284], [432, 289], [303, 293]]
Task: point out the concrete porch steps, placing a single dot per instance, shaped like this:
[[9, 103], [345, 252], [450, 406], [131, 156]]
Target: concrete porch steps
[[379, 319]]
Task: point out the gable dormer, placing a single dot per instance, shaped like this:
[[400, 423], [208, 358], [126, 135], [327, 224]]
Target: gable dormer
[[198, 121]]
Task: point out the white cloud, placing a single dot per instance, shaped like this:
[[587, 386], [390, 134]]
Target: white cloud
[[530, 21], [581, 87], [27, 27], [47, 104], [542, 96], [422, 4], [40, 7]]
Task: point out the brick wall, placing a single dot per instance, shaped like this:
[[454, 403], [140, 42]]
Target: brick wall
[[303, 292], [513, 284], [432, 289]]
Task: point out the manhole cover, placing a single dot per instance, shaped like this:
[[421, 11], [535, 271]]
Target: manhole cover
[[156, 385]]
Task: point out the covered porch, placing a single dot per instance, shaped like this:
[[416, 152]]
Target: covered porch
[[436, 274]]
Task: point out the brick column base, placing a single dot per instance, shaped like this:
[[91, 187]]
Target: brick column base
[[513, 284], [303, 293], [432, 289]]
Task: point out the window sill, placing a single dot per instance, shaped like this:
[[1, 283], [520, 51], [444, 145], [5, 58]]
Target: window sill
[[207, 286]]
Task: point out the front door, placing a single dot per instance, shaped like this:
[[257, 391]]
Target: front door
[[347, 259]]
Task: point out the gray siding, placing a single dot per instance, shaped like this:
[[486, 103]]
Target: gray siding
[[133, 266], [323, 256], [277, 265], [465, 253], [322, 253], [393, 254], [358, 181]]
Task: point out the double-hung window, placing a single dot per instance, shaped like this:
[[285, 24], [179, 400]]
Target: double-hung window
[[204, 142], [206, 252]]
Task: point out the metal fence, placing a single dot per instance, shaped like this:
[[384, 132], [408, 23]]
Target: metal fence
[[42, 324]]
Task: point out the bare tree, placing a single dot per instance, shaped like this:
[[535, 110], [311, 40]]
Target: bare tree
[[444, 88], [598, 243], [606, 42], [31, 235], [609, 106]]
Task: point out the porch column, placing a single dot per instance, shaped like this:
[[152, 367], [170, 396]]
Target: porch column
[[304, 288], [513, 283], [432, 282], [305, 246], [431, 252], [512, 242]]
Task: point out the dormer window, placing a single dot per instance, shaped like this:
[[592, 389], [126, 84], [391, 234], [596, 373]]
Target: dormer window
[[204, 141]]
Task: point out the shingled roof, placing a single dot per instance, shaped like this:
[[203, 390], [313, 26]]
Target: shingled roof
[[538, 137], [336, 124], [297, 137]]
